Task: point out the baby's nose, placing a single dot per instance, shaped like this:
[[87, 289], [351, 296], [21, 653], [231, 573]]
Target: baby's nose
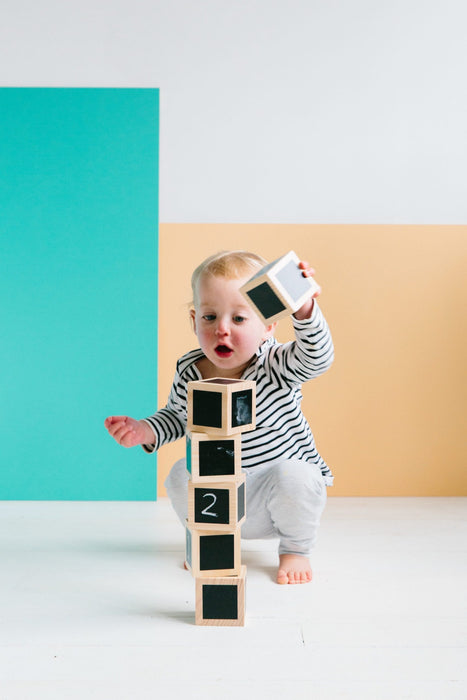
[[222, 327]]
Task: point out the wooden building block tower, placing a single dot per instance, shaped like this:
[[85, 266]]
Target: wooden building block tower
[[278, 289], [219, 410]]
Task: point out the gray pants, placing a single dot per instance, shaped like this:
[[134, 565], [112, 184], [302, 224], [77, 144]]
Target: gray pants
[[283, 500]]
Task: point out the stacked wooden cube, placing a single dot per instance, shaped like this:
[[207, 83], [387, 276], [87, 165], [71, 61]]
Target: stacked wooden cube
[[279, 289], [219, 410]]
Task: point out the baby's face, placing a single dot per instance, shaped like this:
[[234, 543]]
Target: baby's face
[[228, 330]]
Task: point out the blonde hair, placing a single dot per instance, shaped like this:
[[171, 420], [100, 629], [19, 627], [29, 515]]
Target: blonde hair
[[232, 264]]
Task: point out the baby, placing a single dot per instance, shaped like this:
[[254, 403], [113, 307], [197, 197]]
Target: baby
[[286, 477]]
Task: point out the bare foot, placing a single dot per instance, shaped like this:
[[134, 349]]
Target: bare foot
[[293, 568]]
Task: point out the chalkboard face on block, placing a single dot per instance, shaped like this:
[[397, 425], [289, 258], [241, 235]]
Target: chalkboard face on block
[[220, 602], [217, 458], [216, 552], [212, 505], [207, 409], [242, 408], [213, 458], [265, 300]]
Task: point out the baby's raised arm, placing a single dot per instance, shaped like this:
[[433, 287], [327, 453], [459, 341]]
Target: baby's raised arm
[[129, 432], [307, 308]]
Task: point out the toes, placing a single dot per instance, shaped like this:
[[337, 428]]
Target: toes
[[292, 576]]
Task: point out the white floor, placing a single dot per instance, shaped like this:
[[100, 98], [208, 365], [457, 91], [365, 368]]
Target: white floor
[[94, 604]]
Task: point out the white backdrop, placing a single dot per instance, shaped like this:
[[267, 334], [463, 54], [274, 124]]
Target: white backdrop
[[300, 111]]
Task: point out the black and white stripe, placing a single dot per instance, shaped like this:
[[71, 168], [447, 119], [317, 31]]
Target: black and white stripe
[[279, 370]]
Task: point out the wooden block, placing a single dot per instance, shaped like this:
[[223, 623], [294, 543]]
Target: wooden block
[[221, 600], [219, 506], [221, 406], [213, 459], [279, 289], [213, 554]]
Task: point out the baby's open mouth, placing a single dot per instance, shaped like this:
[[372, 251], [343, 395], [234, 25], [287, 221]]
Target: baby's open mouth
[[223, 350]]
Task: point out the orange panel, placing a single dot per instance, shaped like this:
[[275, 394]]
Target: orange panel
[[388, 417]]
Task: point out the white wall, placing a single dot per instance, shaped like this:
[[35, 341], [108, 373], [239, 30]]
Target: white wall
[[307, 111]]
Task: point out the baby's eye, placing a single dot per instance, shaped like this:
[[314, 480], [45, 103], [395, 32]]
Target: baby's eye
[[209, 317], [239, 319]]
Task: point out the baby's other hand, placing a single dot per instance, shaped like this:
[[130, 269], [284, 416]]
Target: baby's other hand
[[307, 308], [129, 432], [308, 271]]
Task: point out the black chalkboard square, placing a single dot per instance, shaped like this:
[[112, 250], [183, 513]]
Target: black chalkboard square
[[211, 505], [242, 407], [216, 552], [213, 458], [265, 300], [221, 406], [207, 409], [216, 506], [217, 457], [278, 289], [220, 600]]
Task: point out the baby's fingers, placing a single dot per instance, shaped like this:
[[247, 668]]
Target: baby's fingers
[[115, 425], [112, 420], [307, 270], [128, 438], [125, 436], [125, 430]]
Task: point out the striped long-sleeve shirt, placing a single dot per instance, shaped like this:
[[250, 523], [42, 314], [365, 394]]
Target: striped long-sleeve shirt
[[279, 370]]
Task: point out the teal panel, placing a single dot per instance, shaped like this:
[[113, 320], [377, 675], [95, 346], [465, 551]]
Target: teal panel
[[188, 455], [78, 289]]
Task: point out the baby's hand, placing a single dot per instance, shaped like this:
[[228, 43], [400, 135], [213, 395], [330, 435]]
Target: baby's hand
[[307, 308], [129, 432]]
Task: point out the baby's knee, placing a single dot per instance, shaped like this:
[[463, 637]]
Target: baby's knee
[[296, 477], [177, 478]]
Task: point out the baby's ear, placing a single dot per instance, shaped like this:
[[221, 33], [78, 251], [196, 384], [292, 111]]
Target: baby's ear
[[192, 313], [269, 330]]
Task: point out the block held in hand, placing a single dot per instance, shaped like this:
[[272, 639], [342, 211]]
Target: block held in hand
[[279, 289]]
